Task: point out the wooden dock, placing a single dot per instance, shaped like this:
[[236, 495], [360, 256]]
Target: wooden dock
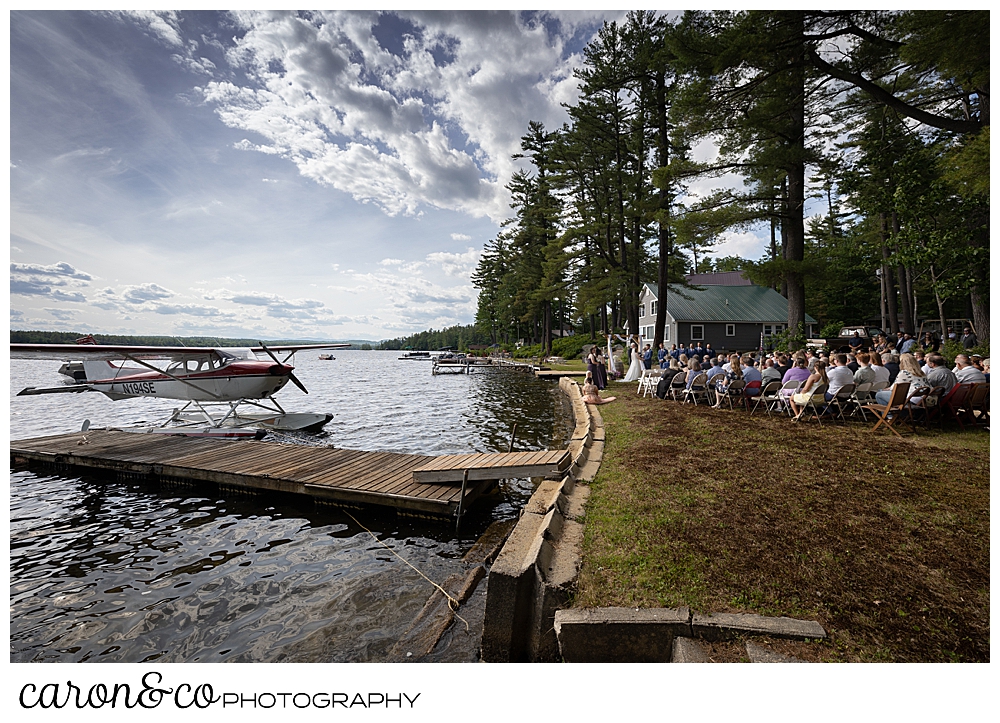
[[407, 482]]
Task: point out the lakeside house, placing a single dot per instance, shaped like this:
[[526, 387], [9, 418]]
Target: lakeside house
[[726, 310]]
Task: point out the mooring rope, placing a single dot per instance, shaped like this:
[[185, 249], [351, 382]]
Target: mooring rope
[[453, 603]]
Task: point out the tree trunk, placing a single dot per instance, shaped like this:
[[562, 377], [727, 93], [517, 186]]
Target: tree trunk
[[663, 204], [784, 231], [890, 290]]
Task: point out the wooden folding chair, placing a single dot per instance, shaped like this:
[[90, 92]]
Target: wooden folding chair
[[889, 413], [976, 401], [925, 408], [952, 404], [768, 395]]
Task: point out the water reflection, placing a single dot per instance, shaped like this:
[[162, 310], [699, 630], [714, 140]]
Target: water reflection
[[130, 572]]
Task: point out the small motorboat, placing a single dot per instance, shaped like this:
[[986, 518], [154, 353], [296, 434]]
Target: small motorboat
[[327, 357]]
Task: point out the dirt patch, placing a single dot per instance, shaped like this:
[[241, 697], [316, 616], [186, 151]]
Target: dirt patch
[[884, 541]]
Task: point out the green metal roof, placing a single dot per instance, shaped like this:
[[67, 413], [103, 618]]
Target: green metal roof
[[753, 304]]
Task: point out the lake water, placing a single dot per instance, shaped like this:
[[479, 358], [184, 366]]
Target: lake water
[[103, 570]]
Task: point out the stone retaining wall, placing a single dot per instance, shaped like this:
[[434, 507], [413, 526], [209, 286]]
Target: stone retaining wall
[[535, 573]]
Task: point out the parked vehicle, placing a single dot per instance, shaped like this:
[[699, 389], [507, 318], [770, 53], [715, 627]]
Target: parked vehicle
[[842, 342]]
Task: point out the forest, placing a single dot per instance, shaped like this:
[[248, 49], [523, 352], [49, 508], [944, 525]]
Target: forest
[[856, 141]]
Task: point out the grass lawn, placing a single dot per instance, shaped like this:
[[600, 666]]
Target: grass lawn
[[885, 542]]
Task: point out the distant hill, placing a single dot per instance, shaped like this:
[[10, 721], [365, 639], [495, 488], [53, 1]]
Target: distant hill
[[69, 337]]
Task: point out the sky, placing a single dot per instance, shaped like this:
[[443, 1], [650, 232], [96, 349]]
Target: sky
[[322, 175]]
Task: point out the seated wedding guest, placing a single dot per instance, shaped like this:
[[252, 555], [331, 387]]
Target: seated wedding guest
[[770, 374], [966, 373], [892, 364], [908, 372], [590, 395], [750, 372], [865, 373], [938, 374], [838, 375], [801, 398], [881, 373]]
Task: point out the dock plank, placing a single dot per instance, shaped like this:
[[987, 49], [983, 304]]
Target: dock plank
[[330, 473]]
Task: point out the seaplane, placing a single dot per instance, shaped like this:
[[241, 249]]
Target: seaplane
[[228, 392]]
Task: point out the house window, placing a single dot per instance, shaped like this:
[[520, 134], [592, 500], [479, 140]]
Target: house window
[[697, 332], [652, 307], [730, 329], [772, 329], [642, 310]]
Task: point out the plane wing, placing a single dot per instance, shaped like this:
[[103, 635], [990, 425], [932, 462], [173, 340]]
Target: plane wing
[[110, 352], [300, 347]]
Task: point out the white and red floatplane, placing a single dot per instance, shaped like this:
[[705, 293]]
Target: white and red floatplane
[[228, 391]]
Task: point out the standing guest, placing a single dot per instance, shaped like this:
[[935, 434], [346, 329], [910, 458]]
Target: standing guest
[[865, 373], [800, 399], [881, 373], [969, 338], [908, 372], [856, 342], [929, 342], [891, 362], [938, 374], [592, 365], [952, 336], [647, 357], [770, 374], [601, 375], [966, 373]]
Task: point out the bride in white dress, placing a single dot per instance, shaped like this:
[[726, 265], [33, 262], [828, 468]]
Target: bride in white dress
[[636, 368]]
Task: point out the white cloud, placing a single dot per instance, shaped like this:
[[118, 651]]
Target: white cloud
[[142, 293], [434, 126], [456, 264], [744, 244], [461, 237], [60, 269]]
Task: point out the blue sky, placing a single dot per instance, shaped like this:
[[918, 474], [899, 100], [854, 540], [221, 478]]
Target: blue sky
[[319, 175]]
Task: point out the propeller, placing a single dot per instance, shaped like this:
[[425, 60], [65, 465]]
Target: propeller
[[295, 379]]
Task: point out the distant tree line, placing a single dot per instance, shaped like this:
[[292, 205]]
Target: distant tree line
[[458, 337], [883, 116]]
